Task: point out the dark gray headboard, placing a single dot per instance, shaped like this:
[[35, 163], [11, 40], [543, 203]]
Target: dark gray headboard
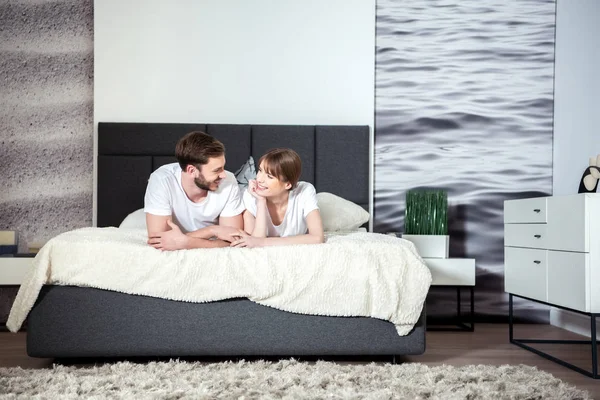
[[335, 158]]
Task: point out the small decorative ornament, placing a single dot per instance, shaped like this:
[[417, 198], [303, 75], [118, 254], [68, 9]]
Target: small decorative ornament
[[591, 175]]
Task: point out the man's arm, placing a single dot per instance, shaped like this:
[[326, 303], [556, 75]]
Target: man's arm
[[315, 235], [174, 239], [156, 223]]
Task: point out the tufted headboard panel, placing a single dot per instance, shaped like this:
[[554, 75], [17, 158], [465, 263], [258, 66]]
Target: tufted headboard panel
[[335, 158]]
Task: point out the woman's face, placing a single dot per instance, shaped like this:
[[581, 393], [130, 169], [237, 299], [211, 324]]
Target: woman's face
[[269, 185]]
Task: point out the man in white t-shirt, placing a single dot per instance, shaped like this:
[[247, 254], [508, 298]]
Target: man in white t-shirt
[[193, 201]]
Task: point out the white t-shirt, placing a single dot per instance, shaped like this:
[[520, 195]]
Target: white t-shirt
[[302, 200], [165, 196]]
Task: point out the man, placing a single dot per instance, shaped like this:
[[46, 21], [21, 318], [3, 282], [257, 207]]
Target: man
[[193, 201]]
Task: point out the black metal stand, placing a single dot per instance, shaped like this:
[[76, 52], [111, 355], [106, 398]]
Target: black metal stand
[[459, 323], [522, 342]]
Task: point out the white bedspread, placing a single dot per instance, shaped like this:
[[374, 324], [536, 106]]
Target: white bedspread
[[360, 274]]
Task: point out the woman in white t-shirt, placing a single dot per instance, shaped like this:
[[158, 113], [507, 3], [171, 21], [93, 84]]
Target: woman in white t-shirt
[[279, 209]]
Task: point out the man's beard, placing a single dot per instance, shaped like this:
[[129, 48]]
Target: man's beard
[[204, 184]]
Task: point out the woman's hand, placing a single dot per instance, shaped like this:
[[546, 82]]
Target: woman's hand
[[242, 239], [252, 186]]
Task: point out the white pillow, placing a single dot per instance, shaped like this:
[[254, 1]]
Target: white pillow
[[339, 214], [245, 173], [135, 220]]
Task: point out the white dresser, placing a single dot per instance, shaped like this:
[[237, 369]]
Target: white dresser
[[552, 250]]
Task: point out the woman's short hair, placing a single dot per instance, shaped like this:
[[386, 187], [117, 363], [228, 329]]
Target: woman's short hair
[[196, 148], [285, 164]]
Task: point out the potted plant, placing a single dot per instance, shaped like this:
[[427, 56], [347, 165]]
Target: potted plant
[[426, 222]]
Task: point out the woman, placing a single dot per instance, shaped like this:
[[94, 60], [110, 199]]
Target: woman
[[279, 209]]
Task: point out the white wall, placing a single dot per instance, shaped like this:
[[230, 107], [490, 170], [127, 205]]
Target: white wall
[[577, 92], [576, 110], [234, 61]]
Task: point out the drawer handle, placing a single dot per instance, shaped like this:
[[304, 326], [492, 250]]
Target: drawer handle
[[537, 236], [537, 261], [537, 210]]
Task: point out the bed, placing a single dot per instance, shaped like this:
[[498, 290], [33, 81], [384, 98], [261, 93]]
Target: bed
[[72, 322]]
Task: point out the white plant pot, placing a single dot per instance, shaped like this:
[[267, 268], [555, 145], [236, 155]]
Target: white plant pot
[[430, 246]]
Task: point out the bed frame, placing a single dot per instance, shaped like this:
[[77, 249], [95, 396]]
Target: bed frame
[[70, 322]]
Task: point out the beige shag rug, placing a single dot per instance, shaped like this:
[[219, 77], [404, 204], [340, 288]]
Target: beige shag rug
[[287, 379]]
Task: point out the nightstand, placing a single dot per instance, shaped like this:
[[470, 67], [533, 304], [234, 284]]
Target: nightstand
[[14, 269], [552, 256], [455, 273]]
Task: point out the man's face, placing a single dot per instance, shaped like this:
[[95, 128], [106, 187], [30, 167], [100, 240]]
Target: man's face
[[211, 174]]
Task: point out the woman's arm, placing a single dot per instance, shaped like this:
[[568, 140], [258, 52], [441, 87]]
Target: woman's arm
[[315, 235], [248, 222], [260, 222], [255, 216]]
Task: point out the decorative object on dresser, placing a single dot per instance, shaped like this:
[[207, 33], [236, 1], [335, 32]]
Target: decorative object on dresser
[[591, 175], [552, 256], [426, 222]]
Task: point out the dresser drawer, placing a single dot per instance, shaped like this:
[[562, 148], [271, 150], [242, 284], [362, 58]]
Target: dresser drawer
[[525, 272], [525, 235], [525, 211], [567, 285]]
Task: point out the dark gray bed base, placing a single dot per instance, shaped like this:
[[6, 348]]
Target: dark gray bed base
[[69, 322]]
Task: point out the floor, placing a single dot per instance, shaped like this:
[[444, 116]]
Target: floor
[[487, 345]]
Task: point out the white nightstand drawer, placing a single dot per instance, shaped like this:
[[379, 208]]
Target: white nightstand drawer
[[14, 269], [525, 272], [451, 271], [566, 280], [525, 211], [525, 235]]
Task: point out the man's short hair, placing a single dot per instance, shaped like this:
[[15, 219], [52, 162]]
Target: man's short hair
[[196, 148]]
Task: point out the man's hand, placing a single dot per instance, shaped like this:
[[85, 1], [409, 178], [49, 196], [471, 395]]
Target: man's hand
[[242, 239], [169, 240]]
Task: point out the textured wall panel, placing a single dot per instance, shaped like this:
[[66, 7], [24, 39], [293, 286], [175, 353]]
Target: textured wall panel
[[46, 117]]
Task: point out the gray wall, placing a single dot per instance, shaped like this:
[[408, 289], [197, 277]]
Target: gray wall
[[46, 58], [577, 92]]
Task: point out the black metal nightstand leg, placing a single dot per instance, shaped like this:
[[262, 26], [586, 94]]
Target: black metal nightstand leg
[[459, 322]]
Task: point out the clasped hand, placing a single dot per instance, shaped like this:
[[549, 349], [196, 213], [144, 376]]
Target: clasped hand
[[175, 239], [242, 239]]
